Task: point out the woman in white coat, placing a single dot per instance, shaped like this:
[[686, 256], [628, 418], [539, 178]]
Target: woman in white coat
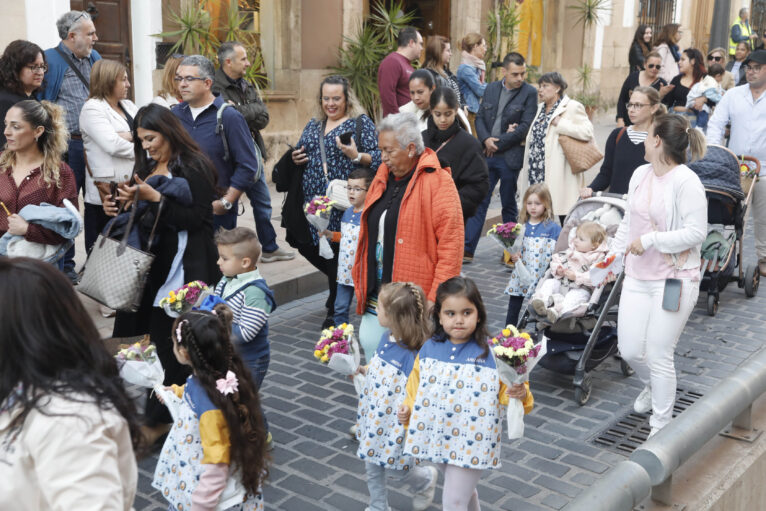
[[661, 234], [544, 159], [106, 122]]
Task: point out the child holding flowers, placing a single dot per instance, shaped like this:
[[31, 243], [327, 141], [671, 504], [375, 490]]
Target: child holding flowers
[[462, 428], [537, 246], [215, 455], [401, 309], [249, 298]]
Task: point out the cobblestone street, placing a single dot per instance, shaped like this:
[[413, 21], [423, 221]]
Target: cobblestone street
[[310, 409]]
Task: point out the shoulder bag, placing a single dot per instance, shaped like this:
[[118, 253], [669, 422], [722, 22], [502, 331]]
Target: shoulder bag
[[336, 188], [115, 273], [580, 154]]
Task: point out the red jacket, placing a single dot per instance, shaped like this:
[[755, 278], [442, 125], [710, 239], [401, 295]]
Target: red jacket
[[429, 233]]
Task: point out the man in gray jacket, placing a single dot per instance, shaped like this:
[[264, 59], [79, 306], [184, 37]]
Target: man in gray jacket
[[233, 88]]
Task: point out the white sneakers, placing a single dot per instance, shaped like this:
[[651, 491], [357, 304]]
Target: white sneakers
[[643, 402], [424, 497]]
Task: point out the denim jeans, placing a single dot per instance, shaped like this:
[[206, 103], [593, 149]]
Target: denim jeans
[[76, 160], [260, 200], [343, 298], [498, 171], [258, 368], [417, 478], [228, 220]]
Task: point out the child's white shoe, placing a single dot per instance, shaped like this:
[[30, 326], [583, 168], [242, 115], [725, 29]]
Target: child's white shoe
[[423, 498], [551, 315], [643, 402], [538, 304]]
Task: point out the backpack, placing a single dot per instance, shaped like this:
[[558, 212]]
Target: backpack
[[219, 131]]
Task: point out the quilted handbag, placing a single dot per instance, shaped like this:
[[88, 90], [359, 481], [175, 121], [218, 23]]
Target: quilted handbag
[[115, 273], [580, 154]]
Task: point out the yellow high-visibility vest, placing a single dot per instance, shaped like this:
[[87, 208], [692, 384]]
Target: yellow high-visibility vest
[[745, 30]]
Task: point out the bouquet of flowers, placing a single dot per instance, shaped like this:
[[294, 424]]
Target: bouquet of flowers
[[140, 366], [318, 212], [516, 354], [338, 348], [505, 234], [183, 299]]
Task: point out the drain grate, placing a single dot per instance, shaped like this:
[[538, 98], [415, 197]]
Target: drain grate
[[629, 432]]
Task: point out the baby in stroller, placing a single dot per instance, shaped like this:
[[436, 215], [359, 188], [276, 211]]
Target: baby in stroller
[[569, 287]]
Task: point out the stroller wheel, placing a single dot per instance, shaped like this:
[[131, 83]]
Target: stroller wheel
[[626, 369], [712, 305], [752, 280], [582, 393]]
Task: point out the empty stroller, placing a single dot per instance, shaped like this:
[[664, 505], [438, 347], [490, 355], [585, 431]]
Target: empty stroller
[[728, 182], [580, 340]]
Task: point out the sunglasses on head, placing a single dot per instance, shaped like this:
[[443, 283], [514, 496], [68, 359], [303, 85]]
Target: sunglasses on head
[[653, 66]]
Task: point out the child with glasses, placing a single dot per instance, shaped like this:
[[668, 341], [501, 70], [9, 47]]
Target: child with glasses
[[358, 182]]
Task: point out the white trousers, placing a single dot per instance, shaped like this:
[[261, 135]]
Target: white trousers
[[460, 488], [647, 337], [759, 216], [565, 298]]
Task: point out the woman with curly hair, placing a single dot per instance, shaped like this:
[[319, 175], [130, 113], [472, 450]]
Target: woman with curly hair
[[67, 426], [31, 169], [22, 69]]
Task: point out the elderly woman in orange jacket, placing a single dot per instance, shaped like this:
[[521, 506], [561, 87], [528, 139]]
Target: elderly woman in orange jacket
[[412, 224]]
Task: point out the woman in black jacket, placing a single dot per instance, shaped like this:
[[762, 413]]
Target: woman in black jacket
[[647, 77], [163, 150], [22, 68], [457, 150], [640, 48]]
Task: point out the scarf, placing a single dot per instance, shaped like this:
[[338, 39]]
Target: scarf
[[434, 137], [473, 61], [674, 50]]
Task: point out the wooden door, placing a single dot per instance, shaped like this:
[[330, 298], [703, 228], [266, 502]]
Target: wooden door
[[113, 27], [702, 21]]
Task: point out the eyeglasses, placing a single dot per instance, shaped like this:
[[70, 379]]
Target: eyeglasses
[[35, 69], [187, 79], [653, 66], [355, 189], [637, 106], [754, 69], [717, 59]]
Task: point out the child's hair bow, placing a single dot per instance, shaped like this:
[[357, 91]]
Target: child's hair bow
[[227, 385]]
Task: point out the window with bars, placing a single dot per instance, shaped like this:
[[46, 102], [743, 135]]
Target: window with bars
[[656, 13]]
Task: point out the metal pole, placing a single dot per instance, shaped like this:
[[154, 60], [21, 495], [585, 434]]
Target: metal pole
[[622, 488], [677, 442]]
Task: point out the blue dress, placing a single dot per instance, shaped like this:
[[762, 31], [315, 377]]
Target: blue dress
[[338, 164], [536, 251]]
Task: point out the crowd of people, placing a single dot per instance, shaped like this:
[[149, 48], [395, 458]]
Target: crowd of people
[[418, 183]]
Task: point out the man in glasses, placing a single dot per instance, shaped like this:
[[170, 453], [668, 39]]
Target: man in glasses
[[718, 56], [745, 108], [230, 83], [67, 82], [199, 114]]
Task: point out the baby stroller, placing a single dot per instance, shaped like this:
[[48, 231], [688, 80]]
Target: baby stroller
[[728, 182], [580, 340]]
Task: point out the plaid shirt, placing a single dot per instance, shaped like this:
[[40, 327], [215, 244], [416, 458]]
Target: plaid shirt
[[74, 93]]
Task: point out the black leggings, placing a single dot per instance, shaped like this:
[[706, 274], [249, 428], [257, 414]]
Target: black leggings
[[327, 266], [514, 307]]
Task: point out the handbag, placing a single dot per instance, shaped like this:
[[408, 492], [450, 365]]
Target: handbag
[[336, 188], [115, 273], [580, 154]]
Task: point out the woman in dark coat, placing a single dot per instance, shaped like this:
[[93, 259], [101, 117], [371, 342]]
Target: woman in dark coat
[[640, 48], [22, 68], [457, 150], [165, 151]]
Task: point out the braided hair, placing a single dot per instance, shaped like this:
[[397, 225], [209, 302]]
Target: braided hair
[[405, 305], [206, 337]]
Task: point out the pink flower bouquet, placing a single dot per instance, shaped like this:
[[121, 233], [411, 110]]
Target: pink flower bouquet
[[338, 348], [516, 354], [183, 299], [318, 214], [505, 234]]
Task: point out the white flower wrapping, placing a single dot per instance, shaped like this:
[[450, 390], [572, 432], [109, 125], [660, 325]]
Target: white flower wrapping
[[150, 375], [321, 223], [509, 376], [348, 364]]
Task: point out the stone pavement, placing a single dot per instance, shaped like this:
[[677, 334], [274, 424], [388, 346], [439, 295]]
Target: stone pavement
[[310, 409]]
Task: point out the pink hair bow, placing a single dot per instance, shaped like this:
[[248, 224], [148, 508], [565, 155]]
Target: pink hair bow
[[228, 385]]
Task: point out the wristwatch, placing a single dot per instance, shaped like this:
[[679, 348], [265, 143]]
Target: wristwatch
[[358, 157], [226, 204]]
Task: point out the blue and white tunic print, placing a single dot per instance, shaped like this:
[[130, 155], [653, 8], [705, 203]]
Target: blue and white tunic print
[[381, 437], [349, 239], [537, 248], [456, 415]]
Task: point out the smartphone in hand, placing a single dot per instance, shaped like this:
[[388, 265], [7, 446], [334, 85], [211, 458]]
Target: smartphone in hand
[[345, 138]]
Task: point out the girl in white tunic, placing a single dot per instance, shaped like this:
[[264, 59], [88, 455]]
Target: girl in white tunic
[[454, 394], [215, 455], [401, 309]]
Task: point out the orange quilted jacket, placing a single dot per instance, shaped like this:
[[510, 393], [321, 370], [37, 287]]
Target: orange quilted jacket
[[429, 233]]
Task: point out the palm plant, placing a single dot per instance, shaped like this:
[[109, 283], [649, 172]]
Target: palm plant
[[588, 14], [388, 21], [502, 22]]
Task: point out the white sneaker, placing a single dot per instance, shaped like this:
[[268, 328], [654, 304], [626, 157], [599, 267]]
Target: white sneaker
[[279, 254], [423, 498], [538, 304], [352, 431], [643, 402], [652, 433], [552, 315]]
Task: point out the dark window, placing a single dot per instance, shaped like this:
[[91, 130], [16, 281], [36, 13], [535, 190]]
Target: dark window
[[656, 14]]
